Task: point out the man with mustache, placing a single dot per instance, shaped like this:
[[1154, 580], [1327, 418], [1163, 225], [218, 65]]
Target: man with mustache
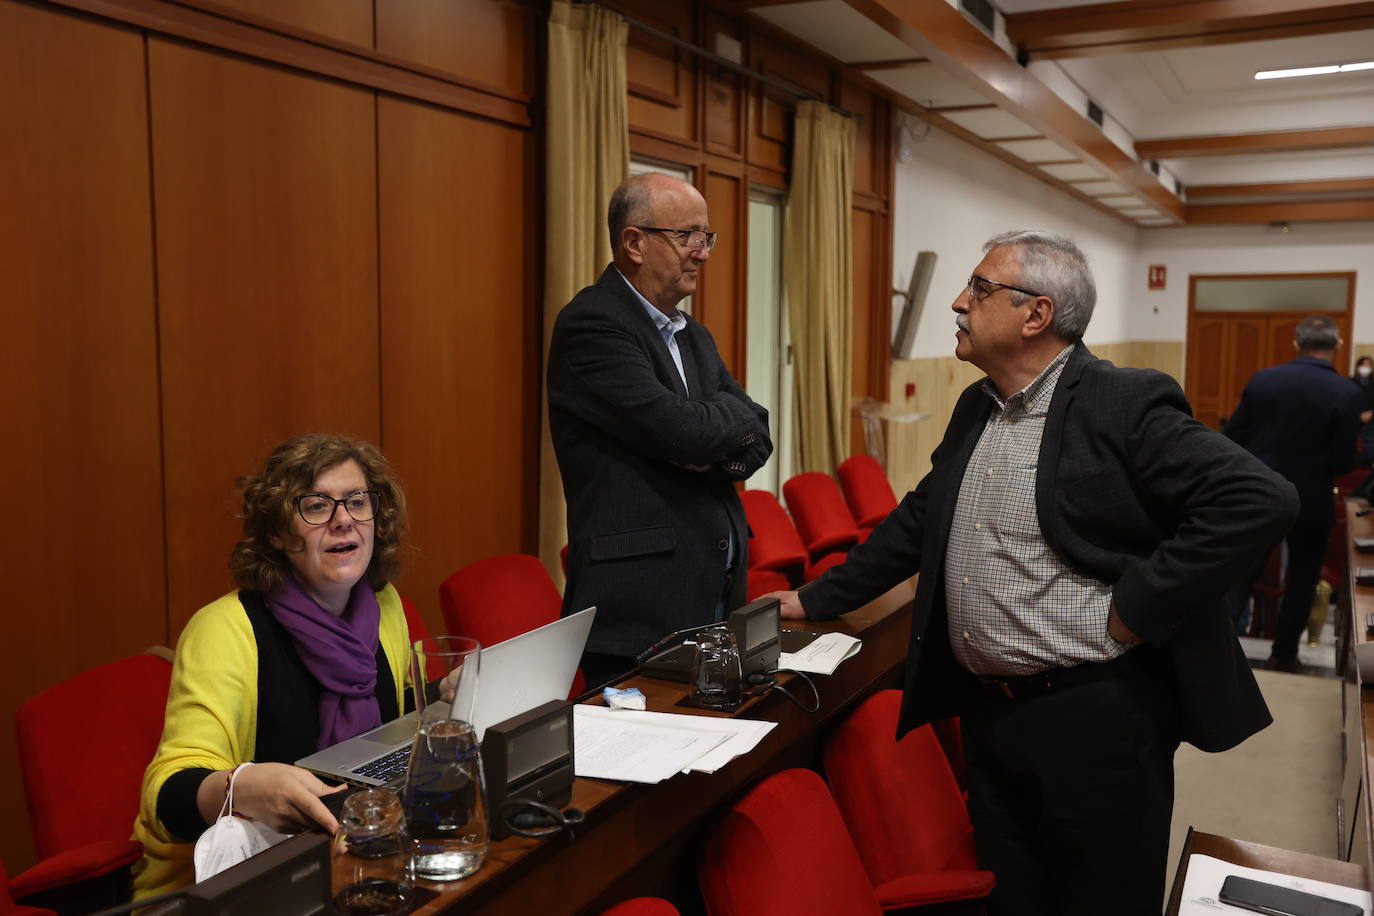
[[651, 433], [1073, 539]]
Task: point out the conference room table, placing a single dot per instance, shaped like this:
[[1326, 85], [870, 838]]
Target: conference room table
[[642, 839]]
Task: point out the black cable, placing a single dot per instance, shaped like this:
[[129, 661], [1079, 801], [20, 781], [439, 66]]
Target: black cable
[[541, 821], [768, 680]]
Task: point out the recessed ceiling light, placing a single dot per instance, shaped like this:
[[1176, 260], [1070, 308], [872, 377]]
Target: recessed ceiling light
[[1313, 71]]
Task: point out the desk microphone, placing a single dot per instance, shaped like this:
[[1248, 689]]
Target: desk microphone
[[654, 649], [1361, 513]]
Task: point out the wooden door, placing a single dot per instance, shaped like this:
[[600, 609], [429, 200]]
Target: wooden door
[[1226, 348]]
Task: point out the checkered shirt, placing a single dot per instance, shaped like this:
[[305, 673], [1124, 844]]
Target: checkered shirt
[[1014, 606]]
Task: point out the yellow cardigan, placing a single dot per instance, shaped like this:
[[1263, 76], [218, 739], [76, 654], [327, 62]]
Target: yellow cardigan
[[212, 714]]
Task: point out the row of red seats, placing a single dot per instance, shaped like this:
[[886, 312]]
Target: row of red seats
[[826, 520], [888, 834]]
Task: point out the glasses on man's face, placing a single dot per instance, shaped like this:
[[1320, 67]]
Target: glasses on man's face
[[979, 288], [689, 238], [318, 509]]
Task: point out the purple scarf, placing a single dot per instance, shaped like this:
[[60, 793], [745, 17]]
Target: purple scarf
[[341, 652]]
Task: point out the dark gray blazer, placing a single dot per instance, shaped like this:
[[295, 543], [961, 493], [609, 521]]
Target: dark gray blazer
[[1302, 419], [1130, 490], [647, 535]]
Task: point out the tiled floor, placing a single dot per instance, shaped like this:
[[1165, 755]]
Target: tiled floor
[[1318, 660]]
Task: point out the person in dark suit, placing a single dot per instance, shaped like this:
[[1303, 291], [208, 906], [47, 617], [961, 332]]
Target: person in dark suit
[[1303, 420], [1073, 539], [651, 433]]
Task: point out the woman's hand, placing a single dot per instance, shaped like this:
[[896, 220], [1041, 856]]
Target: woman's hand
[[449, 685], [285, 798]]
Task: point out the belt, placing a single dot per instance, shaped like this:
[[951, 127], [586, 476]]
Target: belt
[[1023, 687]]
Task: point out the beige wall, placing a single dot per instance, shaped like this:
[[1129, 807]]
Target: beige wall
[[940, 380]]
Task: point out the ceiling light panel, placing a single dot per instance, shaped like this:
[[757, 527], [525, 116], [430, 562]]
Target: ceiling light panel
[[992, 122], [1098, 188], [1323, 70], [927, 85], [1037, 150], [1141, 213], [837, 29], [1125, 202], [1073, 171]]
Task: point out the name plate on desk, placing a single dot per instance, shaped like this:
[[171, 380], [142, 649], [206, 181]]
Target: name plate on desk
[[1364, 575], [1363, 544]]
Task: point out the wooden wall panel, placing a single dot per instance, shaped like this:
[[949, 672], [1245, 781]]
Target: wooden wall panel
[[872, 145], [478, 40], [344, 20], [460, 340], [662, 79], [266, 256], [78, 366], [720, 305], [725, 96]]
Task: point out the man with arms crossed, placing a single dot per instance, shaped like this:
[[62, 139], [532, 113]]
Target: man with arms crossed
[[1073, 539], [651, 433]]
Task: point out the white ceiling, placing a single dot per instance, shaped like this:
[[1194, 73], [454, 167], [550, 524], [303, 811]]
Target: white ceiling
[[1169, 93]]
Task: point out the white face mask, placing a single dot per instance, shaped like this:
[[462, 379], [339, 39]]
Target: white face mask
[[230, 839], [1364, 371]]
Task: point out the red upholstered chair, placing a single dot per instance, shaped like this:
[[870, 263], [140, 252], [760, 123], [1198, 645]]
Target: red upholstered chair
[[640, 906], [7, 905], [822, 517], [867, 491], [763, 581], [903, 808], [783, 850], [952, 741], [500, 597], [774, 543], [82, 817]]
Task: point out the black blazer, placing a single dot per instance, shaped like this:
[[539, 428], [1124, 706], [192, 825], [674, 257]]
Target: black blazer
[[1303, 420], [647, 534], [1130, 490]]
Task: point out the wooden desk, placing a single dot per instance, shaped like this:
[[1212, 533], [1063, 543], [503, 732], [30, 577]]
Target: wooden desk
[[1267, 858], [1353, 810], [641, 839]]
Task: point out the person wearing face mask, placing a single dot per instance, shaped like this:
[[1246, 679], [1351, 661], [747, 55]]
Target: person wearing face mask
[[310, 649], [1364, 378]]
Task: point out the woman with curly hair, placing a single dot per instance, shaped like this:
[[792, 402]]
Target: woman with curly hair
[[310, 649]]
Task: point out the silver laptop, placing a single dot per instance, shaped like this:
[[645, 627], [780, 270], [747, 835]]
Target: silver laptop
[[513, 677]]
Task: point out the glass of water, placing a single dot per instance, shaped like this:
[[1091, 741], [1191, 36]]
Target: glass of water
[[444, 795], [716, 681], [370, 874]]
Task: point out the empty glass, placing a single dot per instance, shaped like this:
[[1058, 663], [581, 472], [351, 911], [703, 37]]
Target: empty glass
[[370, 872], [716, 681], [444, 796]]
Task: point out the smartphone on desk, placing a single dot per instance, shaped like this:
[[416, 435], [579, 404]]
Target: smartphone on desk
[[1281, 901]]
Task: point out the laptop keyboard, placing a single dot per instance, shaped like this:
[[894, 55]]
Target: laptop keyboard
[[386, 767]]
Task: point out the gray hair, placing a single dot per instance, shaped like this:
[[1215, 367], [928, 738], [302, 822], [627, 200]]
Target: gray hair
[[631, 204], [1053, 266], [1317, 334]]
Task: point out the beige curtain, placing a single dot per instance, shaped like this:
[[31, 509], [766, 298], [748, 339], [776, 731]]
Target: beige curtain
[[817, 268], [588, 154]]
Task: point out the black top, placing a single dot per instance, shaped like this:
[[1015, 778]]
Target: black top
[[288, 725]]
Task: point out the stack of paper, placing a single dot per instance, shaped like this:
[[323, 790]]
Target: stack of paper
[[649, 747], [823, 655]]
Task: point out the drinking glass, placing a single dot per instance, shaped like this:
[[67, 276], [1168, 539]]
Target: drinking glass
[[444, 796], [370, 872], [716, 680]]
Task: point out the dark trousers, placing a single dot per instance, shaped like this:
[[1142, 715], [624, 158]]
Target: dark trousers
[[1306, 550], [1071, 794]]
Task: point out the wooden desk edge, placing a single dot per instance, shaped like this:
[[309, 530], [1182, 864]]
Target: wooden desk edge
[[1265, 858]]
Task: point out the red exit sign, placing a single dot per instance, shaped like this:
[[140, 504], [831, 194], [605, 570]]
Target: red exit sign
[[1158, 274]]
